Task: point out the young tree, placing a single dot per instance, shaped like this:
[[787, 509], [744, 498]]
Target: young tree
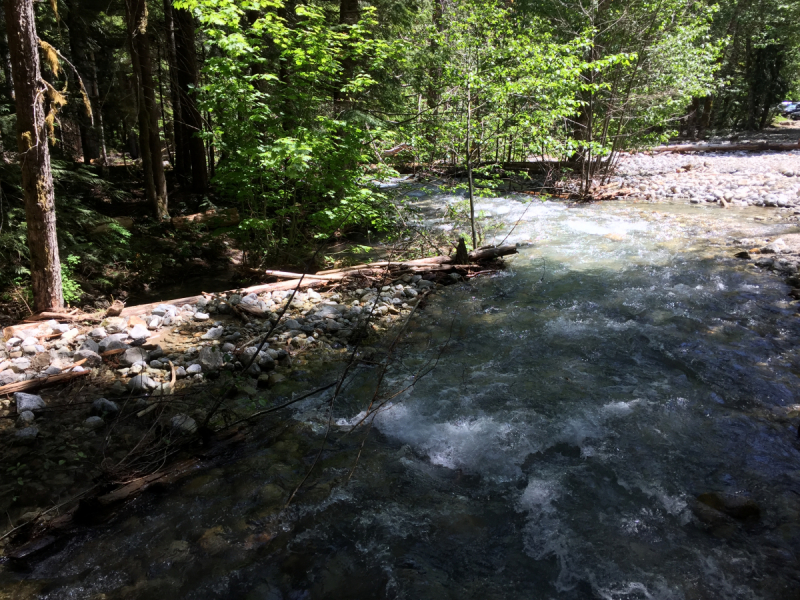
[[34, 154], [501, 79]]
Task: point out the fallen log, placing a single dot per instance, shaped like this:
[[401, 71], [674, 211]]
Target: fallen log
[[745, 147], [59, 316], [256, 289], [491, 253], [213, 218], [488, 253], [33, 384], [317, 276]]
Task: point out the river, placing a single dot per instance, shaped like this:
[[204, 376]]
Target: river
[[621, 366]]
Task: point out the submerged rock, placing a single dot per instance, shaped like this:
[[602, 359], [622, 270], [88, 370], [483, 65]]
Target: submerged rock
[[738, 507]]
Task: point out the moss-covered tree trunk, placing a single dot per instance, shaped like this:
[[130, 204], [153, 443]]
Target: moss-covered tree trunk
[[34, 154]]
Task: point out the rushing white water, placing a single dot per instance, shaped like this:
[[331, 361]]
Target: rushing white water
[[621, 366]]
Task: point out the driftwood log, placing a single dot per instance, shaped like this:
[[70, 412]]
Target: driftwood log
[[35, 384], [212, 218], [323, 278]]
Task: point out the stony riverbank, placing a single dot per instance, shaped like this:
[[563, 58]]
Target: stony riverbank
[[769, 179], [159, 370]]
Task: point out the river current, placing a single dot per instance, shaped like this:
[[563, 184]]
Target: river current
[[623, 364]]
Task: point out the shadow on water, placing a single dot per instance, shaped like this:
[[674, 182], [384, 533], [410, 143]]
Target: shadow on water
[[587, 396]]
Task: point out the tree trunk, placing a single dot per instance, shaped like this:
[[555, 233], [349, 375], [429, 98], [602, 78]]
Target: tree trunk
[[152, 161], [349, 14], [94, 96], [182, 159], [78, 36], [189, 78], [469, 168], [5, 59], [34, 157]]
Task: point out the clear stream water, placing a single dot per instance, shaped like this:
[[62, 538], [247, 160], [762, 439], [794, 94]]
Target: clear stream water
[[622, 365]]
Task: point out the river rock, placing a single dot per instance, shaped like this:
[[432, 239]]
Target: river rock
[[738, 507], [98, 333], [132, 356], [93, 422], [214, 333], [20, 364], [26, 435], [8, 376], [183, 424], [210, 358], [90, 344], [200, 316], [30, 402], [180, 373], [25, 419], [194, 369], [139, 333], [104, 408], [92, 358], [293, 325], [115, 324], [141, 384]]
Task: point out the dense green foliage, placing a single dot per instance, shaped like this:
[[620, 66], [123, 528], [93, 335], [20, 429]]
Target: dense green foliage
[[299, 102]]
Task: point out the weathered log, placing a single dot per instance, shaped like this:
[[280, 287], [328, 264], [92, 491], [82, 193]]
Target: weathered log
[[491, 253], [256, 289], [59, 316], [317, 276], [33, 384], [212, 218], [746, 147]]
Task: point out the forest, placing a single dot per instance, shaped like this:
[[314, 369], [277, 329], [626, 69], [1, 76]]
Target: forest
[[290, 112]]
